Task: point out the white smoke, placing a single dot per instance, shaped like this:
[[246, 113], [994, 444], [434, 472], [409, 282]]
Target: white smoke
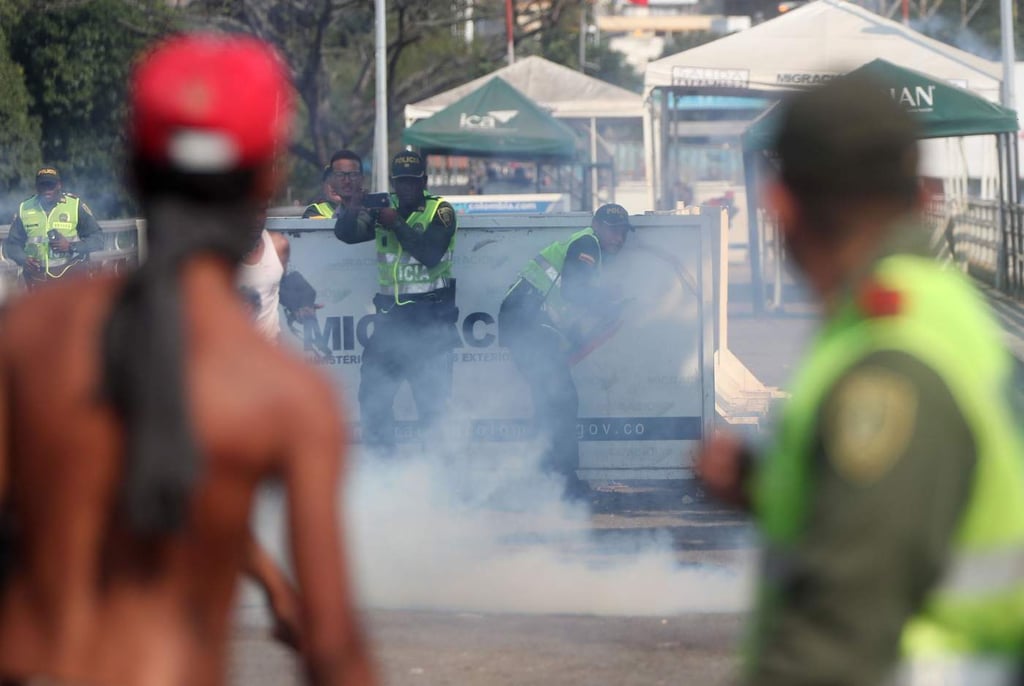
[[427, 534], [450, 533], [473, 525]]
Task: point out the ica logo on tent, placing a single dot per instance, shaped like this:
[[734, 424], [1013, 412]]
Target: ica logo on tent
[[491, 120]]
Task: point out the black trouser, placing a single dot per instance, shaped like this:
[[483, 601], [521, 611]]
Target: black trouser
[[538, 352], [411, 343]]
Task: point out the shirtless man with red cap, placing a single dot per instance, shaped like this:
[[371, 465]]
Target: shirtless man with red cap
[[126, 489]]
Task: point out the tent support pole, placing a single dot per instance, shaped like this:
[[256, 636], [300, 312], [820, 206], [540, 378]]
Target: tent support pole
[[1004, 229], [671, 153], [648, 134], [753, 241], [660, 151], [1016, 256], [593, 163]]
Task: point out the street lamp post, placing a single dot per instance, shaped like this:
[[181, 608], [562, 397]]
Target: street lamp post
[[380, 129]]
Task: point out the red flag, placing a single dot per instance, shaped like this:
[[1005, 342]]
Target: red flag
[[639, 2]]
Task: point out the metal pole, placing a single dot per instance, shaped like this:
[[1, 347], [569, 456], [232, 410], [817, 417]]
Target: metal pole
[[750, 158], [593, 163], [1006, 28], [510, 31], [583, 37], [1008, 181], [380, 131]]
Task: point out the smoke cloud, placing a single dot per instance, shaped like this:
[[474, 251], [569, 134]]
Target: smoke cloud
[[445, 532], [430, 535]]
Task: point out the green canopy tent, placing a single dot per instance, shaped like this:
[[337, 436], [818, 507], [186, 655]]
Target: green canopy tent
[[943, 110], [495, 120]]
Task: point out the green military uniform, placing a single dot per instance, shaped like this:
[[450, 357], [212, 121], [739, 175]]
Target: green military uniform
[[893, 500]]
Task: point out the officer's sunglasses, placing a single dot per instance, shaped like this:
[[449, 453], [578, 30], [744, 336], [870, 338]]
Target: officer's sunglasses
[[347, 175]]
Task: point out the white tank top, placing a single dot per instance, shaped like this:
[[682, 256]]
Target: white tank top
[[264, 278]]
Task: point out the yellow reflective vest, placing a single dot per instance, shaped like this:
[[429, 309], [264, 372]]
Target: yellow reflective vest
[[38, 223], [970, 629]]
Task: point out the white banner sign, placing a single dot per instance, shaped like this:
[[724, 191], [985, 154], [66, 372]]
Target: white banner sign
[[646, 390]]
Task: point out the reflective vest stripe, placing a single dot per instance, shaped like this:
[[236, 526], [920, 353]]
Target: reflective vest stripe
[[957, 671], [969, 573], [552, 272], [420, 288], [400, 273], [38, 223], [984, 572], [976, 610]]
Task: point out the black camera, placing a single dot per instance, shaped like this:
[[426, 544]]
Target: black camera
[[377, 201], [53, 234]]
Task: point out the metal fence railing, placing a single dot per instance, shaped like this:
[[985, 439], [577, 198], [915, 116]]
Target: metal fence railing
[[985, 238], [122, 240]]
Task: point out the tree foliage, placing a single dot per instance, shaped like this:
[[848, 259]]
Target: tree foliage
[[19, 135], [551, 29], [329, 45], [971, 25], [76, 57]]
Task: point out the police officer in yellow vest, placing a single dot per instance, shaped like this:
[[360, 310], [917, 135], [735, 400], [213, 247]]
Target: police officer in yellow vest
[[549, 316], [414, 330], [342, 180], [892, 501], [53, 232]]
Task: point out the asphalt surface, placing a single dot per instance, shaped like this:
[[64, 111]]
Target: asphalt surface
[[428, 648]]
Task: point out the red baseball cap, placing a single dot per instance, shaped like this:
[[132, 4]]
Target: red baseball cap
[[208, 103]]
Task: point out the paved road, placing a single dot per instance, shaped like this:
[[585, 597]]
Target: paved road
[[480, 648], [465, 649]]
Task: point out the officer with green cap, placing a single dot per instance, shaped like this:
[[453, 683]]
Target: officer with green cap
[[414, 328], [557, 307], [891, 501], [52, 233]]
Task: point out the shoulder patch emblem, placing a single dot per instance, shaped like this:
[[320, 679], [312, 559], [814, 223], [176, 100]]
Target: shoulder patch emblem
[[868, 424], [589, 259], [446, 214]]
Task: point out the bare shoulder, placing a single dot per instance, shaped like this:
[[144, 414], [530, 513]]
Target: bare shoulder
[[281, 244], [56, 309]]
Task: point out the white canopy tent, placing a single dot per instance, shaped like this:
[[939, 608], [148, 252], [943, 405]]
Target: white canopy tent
[[568, 95], [812, 43], [798, 49], [565, 93]]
